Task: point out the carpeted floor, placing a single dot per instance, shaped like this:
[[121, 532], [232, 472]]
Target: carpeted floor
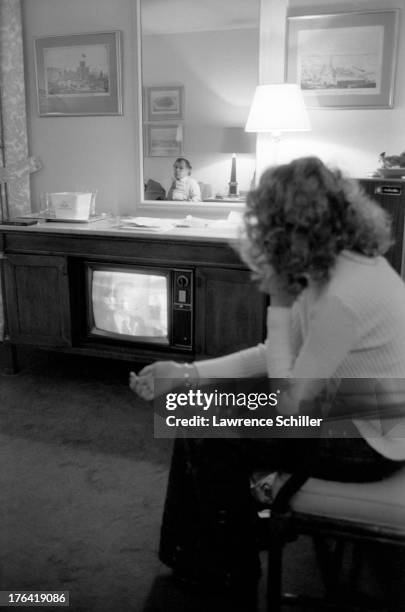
[[82, 484]]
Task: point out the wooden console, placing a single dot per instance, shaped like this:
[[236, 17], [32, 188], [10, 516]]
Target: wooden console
[[42, 266]]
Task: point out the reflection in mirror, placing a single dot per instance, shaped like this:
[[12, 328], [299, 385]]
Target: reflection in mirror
[[199, 72]]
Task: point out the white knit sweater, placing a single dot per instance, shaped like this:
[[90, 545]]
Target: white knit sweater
[[352, 327]]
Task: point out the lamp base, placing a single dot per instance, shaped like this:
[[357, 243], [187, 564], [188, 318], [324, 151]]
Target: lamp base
[[233, 188]]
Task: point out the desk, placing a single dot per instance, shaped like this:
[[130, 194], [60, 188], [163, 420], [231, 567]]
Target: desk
[[46, 296]]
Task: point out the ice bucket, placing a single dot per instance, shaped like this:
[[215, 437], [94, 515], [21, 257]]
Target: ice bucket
[[74, 205]]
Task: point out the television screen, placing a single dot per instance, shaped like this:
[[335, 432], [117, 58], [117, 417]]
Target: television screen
[[131, 304]]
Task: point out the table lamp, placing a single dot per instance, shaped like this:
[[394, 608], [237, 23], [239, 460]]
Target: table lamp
[[278, 108], [235, 140]]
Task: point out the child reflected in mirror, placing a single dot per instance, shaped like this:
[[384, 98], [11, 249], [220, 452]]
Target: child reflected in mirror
[[184, 187]]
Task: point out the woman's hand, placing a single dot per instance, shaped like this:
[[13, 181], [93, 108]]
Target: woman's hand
[[143, 383]]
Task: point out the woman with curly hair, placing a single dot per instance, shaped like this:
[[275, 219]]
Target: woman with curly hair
[[315, 242]]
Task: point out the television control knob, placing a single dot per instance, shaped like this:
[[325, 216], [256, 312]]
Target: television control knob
[[182, 281]]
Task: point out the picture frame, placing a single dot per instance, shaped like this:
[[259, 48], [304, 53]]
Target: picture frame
[[164, 140], [164, 103], [345, 60], [79, 74]]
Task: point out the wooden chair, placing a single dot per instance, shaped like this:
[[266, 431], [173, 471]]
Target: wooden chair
[[360, 512]]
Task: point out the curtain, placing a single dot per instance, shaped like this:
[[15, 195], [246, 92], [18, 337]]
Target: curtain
[[14, 122], [16, 167]]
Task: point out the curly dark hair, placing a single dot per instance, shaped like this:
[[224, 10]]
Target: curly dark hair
[[301, 216]]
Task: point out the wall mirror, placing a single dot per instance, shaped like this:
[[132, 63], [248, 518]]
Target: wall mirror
[[199, 65]]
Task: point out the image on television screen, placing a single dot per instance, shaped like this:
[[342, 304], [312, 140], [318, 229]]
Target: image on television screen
[[130, 303]]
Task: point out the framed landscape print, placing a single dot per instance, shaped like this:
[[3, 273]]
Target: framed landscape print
[[344, 60], [163, 140], [79, 74], [164, 103]]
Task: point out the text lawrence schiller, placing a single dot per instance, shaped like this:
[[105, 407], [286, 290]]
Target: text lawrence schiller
[[279, 421]]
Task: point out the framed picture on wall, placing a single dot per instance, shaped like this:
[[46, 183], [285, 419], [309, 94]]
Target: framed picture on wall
[[79, 74], [163, 140], [164, 103], [344, 60]]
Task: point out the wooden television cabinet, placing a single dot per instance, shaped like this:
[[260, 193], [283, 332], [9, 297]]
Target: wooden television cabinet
[[43, 289]]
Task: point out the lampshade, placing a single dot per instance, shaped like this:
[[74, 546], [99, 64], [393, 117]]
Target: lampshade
[[278, 108]]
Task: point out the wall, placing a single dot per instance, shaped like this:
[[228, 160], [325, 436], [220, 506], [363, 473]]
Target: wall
[[351, 139], [218, 70], [83, 152], [103, 151]]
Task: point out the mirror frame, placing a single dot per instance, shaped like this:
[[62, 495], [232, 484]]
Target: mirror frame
[[168, 208]]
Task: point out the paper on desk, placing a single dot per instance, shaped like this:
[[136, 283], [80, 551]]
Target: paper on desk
[[154, 224], [146, 223]]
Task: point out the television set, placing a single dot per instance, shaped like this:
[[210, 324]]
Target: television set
[[139, 305]]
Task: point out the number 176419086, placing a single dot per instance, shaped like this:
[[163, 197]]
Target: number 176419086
[[34, 598]]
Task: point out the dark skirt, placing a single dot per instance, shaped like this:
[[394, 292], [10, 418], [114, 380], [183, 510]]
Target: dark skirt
[[209, 528]]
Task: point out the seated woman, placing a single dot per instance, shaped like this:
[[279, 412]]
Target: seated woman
[[184, 186], [315, 242]]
